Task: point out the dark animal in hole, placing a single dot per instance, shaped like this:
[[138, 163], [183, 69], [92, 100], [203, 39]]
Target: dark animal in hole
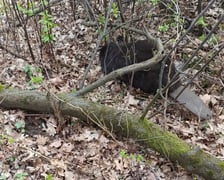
[[114, 56]]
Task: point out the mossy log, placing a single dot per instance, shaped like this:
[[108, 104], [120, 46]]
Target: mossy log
[[123, 124]]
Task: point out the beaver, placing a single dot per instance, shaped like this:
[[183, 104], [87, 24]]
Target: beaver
[[114, 56]]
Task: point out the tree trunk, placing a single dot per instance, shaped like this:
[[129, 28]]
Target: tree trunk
[[123, 124]]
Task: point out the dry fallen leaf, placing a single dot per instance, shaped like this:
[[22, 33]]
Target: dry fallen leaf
[[206, 98], [67, 147], [88, 135], [69, 175], [42, 140], [132, 100], [56, 80], [56, 144]]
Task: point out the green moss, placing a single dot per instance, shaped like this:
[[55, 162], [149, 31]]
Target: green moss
[[156, 138], [221, 165], [209, 174]]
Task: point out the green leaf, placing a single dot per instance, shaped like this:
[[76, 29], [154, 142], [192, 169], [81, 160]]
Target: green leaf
[[12, 159], [140, 158], [163, 28], [28, 71], [20, 176], [123, 154], [115, 10], [36, 79], [202, 37], [49, 177], [201, 22], [27, 10], [2, 87], [101, 19], [11, 140], [3, 176], [133, 156], [154, 2], [18, 125], [47, 25], [44, 2]]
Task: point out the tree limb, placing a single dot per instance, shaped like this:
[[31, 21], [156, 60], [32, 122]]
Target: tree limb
[[123, 124]]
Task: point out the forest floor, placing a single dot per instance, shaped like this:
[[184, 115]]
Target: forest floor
[[31, 147]]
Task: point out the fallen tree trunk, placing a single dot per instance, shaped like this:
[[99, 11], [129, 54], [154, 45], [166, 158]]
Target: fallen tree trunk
[[123, 124]]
